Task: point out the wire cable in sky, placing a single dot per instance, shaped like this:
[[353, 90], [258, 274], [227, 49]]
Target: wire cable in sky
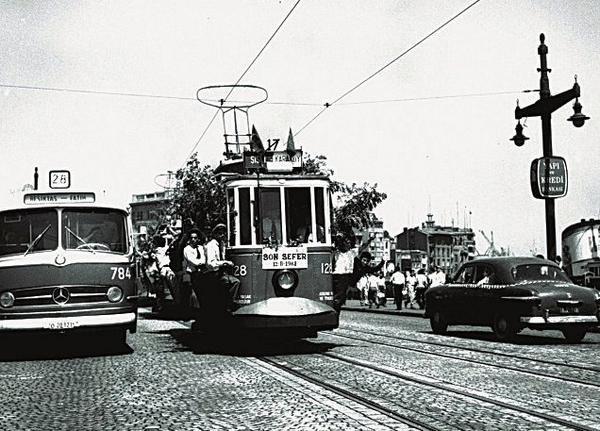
[[103, 93], [240, 78], [327, 105]]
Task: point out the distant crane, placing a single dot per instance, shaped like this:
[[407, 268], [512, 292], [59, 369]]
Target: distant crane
[[492, 250]]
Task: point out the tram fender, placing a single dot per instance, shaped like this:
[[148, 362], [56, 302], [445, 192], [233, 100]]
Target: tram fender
[[290, 306]]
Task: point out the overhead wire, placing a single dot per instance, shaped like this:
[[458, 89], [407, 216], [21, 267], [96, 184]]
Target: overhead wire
[[240, 78], [327, 105], [286, 103]]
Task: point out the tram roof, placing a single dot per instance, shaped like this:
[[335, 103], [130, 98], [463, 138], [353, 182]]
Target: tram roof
[[569, 230]]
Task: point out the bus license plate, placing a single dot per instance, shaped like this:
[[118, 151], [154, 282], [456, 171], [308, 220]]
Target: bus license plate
[[61, 324]]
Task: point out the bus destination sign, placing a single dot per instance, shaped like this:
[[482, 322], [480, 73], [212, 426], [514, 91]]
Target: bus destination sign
[[285, 257], [59, 198], [549, 177]]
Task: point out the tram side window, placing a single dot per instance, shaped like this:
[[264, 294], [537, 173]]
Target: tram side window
[[22, 229], [100, 229], [320, 213], [231, 202], [270, 216], [244, 214]]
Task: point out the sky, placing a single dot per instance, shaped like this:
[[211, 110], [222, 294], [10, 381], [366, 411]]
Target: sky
[[450, 155]]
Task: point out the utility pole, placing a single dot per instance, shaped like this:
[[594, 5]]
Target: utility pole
[[544, 108]]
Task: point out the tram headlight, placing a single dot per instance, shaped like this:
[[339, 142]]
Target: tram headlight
[[114, 294], [285, 281], [7, 299]]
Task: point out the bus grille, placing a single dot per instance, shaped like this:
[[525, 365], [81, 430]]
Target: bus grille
[[77, 294]]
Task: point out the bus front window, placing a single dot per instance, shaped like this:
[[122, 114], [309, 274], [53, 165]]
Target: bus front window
[[97, 229], [28, 231]]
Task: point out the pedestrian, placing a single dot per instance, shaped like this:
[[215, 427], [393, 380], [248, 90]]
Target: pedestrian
[[194, 264], [221, 282], [343, 267], [381, 297], [411, 282], [437, 277], [398, 281], [372, 283], [420, 287]]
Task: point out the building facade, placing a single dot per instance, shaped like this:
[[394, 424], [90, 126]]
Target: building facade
[[444, 246], [149, 211]]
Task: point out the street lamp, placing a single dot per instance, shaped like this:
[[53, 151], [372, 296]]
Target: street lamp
[[544, 108]]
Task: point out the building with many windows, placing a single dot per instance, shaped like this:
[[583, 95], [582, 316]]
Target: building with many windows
[[444, 246], [149, 211], [380, 244]]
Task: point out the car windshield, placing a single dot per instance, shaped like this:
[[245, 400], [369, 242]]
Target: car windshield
[[94, 229], [538, 272], [28, 231]]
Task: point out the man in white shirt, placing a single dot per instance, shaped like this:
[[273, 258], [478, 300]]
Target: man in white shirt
[[221, 283], [342, 273], [194, 264], [398, 281]]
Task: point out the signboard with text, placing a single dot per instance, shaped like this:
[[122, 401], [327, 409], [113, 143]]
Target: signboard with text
[[285, 258], [549, 177], [59, 198], [273, 161]]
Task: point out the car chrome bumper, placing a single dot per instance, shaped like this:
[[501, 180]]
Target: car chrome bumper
[[538, 320], [68, 322]]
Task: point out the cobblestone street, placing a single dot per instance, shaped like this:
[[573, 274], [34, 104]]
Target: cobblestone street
[[170, 378]]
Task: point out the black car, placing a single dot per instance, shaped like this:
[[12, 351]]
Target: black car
[[513, 293]]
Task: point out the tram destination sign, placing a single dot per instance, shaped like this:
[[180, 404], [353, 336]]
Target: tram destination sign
[[59, 198], [549, 177], [285, 257], [273, 161]]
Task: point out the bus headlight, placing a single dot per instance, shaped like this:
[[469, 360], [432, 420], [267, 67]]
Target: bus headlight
[[285, 281], [114, 294], [7, 299]]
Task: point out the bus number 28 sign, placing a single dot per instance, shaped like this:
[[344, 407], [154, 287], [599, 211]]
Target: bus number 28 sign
[[549, 177]]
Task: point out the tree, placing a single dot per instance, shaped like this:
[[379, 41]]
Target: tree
[[199, 196], [354, 204]]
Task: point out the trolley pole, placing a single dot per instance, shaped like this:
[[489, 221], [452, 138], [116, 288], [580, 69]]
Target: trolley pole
[[544, 108]]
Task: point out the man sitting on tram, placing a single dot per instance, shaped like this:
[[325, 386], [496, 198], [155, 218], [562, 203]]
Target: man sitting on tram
[[221, 283]]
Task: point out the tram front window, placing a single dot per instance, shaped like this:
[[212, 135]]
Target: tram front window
[[270, 214], [97, 229], [28, 231], [298, 215]]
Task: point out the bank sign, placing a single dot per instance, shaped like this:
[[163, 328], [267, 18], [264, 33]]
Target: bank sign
[[549, 177], [285, 257]]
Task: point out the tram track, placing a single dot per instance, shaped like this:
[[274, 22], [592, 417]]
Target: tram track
[[575, 365], [347, 394], [518, 369], [458, 390], [402, 413]]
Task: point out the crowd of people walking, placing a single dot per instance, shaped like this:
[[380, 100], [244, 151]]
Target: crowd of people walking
[[355, 271]]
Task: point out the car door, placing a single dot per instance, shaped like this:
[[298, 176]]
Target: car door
[[483, 294], [460, 309]]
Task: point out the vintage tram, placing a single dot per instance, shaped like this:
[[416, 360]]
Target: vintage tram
[[580, 243], [279, 239], [66, 263]]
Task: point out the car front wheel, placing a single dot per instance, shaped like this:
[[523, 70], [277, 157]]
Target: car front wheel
[[439, 323], [505, 327], [574, 335]]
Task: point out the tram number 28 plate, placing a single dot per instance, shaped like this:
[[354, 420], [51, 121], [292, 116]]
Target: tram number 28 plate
[[61, 324]]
